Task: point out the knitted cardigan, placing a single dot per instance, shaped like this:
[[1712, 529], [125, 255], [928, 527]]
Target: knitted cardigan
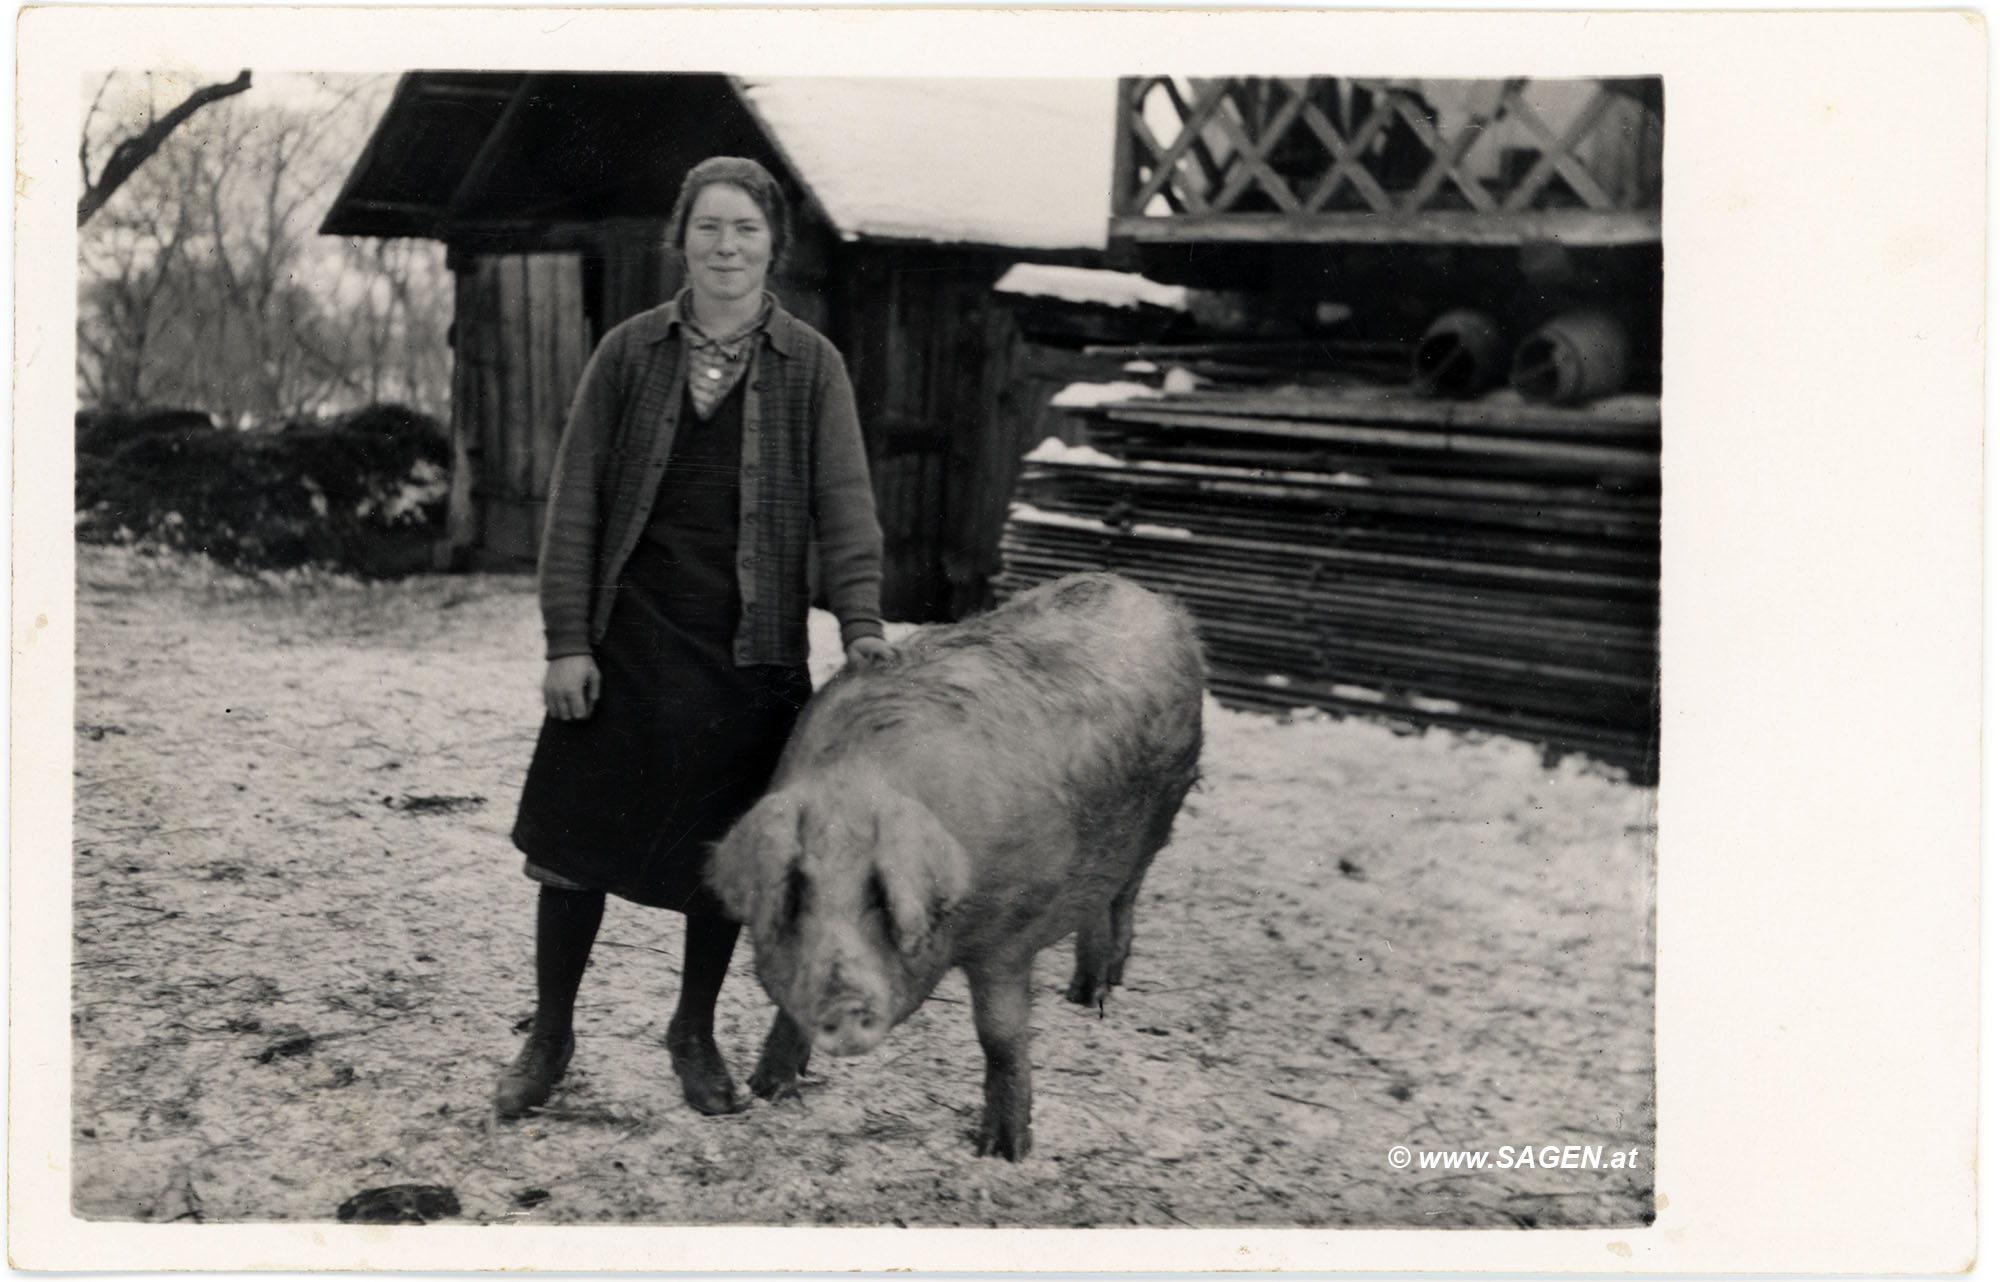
[[804, 479]]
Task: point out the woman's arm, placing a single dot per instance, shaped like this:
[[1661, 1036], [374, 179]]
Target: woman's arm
[[850, 537], [573, 523]]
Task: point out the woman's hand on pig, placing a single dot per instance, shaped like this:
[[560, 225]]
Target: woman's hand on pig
[[869, 652], [569, 689]]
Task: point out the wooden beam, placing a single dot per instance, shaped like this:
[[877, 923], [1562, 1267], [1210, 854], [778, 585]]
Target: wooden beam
[[413, 207], [498, 138], [1430, 568], [1626, 416], [1347, 155], [1558, 156], [1154, 156], [430, 87], [1441, 227], [1252, 164], [1446, 157], [1206, 105], [1552, 455], [1124, 170], [1249, 164], [1211, 169]]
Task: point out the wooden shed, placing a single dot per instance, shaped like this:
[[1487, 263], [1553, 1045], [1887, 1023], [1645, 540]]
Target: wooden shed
[[910, 198]]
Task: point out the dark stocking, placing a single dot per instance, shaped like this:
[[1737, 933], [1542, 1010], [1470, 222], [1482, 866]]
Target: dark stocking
[[711, 942], [566, 924]]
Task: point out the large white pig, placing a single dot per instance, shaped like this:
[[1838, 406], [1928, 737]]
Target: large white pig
[[1004, 782]]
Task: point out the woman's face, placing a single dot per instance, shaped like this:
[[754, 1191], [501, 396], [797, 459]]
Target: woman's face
[[728, 244]]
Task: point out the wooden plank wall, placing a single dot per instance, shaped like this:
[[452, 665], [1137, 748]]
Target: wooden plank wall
[[1020, 378], [913, 328], [636, 273], [522, 343]]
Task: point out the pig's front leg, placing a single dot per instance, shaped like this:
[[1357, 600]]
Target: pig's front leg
[[786, 1050], [1000, 1012]]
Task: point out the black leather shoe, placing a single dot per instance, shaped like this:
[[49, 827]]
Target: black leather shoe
[[527, 1082], [705, 1082]]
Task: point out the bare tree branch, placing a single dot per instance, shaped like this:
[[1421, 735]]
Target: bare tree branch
[[133, 152], [83, 147], [206, 285]]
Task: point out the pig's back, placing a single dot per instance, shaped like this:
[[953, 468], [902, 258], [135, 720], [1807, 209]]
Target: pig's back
[[1065, 708], [1098, 672]]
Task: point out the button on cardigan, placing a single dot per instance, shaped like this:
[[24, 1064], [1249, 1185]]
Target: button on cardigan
[[804, 480]]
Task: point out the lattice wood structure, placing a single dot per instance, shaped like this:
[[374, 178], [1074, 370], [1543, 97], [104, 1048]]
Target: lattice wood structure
[[1328, 160]]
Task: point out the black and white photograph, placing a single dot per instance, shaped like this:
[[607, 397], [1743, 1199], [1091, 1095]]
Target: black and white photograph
[[704, 647]]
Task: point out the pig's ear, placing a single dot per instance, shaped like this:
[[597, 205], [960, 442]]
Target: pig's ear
[[751, 865], [922, 867]]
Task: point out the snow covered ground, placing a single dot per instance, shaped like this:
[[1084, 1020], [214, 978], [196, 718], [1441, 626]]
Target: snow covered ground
[[302, 951]]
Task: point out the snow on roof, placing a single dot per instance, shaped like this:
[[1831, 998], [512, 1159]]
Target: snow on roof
[[1017, 163], [1052, 450], [1089, 285], [1087, 395]]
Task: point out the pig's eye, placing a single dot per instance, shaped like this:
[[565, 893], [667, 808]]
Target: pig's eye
[[795, 893]]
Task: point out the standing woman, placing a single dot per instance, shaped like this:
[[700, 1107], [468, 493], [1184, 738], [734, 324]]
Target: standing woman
[[710, 440]]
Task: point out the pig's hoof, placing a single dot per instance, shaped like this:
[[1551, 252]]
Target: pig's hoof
[[1002, 1140], [1086, 990], [776, 1087], [704, 1078]]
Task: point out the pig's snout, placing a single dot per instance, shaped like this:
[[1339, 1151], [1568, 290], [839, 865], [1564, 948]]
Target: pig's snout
[[849, 1026]]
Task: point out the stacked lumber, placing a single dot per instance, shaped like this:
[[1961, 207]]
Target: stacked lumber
[[1487, 565]]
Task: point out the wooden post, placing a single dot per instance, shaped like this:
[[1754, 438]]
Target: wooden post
[[461, 522], [1124, 173]]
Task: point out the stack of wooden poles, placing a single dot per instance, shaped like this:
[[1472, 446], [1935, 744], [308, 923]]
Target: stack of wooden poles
[[1491, 564]]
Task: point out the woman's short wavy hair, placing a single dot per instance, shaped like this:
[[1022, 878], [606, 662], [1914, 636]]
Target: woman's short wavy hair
[[756, 182]]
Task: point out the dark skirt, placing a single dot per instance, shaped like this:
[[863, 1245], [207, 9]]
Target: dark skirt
[[682, 740]]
